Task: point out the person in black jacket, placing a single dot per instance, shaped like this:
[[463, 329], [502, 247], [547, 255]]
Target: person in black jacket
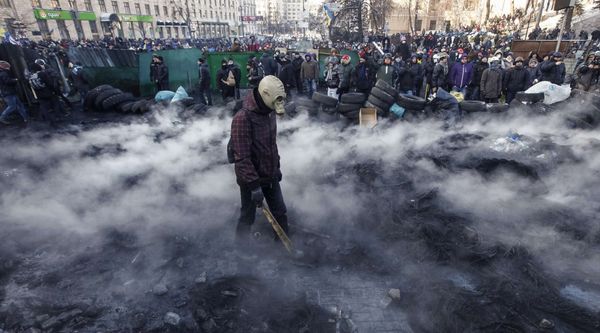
[[362, 76], [473, 88], [553, 69], [8, 90], [204, 82], [405, 82], [287, 75], [47, 89], [227, 91], [297, 63], [417, 72], [255, 73], [237, 74], [79, 81], [515, 80], [159, 73]]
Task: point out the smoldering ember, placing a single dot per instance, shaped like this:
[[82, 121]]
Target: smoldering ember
[[116, 223]]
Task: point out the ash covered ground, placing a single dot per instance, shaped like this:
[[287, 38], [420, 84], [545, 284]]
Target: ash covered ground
[[127, 225]]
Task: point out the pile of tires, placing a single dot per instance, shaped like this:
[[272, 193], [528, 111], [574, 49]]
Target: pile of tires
[[106, 98], [306, 105], [472, 106], [382, 97], [350, 105]]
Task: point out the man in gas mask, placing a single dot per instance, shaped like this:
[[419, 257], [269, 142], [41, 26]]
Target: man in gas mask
[[255, 154]]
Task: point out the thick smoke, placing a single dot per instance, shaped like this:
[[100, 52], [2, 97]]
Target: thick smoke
[[103, 213]]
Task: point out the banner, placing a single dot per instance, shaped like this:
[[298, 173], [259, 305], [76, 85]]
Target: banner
[[136, 18], [50, 14]]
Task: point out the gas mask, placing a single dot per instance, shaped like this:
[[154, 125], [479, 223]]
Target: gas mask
[[272, 92]]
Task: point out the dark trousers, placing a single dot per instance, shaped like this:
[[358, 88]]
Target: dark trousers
[[47, 104], [274, 199], [510, 95], [205, 96]]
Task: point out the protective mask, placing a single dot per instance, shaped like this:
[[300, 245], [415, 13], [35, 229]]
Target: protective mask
[[272, 92]]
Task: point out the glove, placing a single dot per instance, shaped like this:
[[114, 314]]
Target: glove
[[257, 196]]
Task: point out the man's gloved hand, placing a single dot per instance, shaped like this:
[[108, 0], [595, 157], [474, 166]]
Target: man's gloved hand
[[257, 196]]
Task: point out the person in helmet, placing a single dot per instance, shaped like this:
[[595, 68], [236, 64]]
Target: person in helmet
[[387, 72], [255, 154], [8, 91], [346, 69]]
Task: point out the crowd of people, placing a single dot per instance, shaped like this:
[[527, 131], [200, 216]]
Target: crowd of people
[[478, 64]]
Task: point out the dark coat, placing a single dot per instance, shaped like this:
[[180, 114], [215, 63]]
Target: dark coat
[[439, 76], [159, 74], [345, 77], [222, 75], [8, 84], [532, 75], [406, 80], [203, 76], [388, 74], [254, 142], [269, 64], [51, 85], [552, 72], [362, 76], [491, 83], [516, 79], [255, 74], [461, 74], [288, 76], [478, 69], [78, 78]]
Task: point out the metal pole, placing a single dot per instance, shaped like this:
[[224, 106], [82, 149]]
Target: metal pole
[[562, 29], [539, 18]]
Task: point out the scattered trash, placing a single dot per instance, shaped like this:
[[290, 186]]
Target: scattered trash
[[160, 289], [546, 324], [394, 294], [172, 319]]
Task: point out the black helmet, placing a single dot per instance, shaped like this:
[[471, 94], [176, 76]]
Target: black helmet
[[40, 62], [387, 55]]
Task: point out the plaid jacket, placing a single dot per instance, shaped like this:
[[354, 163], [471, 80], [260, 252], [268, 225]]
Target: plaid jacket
[[253, 137]]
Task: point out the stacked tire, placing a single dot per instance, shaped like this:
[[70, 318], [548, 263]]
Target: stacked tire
[[472, 106], [106, 98], [382, 97], [350, 105], [414, 105], [306, 105], [327, 106]]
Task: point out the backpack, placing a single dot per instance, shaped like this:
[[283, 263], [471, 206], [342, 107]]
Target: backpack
[[36, 82], [230, 79]]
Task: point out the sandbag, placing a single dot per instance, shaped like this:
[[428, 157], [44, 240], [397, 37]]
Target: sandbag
[[180, 94], [164, 95], [553, 93]]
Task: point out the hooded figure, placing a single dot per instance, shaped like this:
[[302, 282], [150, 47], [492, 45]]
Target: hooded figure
[[461, 74], [309, 74], [227, 90], [269, 64], [256, 157], [491, 82], [553, 69], [345, 72], [440, 73], [515, 79]]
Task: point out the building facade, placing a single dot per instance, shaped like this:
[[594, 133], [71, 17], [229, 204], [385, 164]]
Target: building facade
[[93, 19]]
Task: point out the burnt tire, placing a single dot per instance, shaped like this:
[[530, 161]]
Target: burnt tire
[[497, 107], [104, 95], [306, 102], [324, 99], [90, 97], [383, 96], [112, 103], [290, 108], [379, 103], [345, 107], [382, 85], [352, 114], [353, 98], [381, 112], [529, 98], [411, 102], [473, 106], [137, 106], [126, 107]]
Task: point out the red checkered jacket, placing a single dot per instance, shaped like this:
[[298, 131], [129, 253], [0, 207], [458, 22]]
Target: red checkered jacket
[[254, 142]]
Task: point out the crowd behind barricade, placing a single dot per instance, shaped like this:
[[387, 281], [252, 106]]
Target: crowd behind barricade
[[478, 64]]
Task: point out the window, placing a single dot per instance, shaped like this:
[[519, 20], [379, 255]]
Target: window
[[418, 25], [88, 5], [72, 4], [5, 3], [166, 10], [62, 29], [93, 27], [141, 27], [138, 9], [36, 4], [147, 7], [115, 6], [432, 25], [156, 10], [55, 4], [168, 32], [131, 30], [127, 9], [102, 5]]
